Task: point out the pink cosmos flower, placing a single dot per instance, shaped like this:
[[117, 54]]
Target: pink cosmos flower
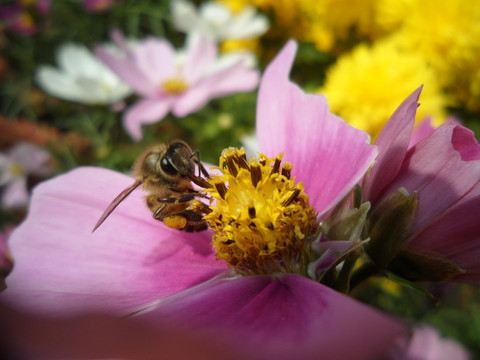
[[444, 169], [16, 165], [134, 264], [181, 82], [427, 344]]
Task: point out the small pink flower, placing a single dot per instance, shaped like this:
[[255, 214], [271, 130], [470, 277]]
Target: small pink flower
[[444, 170], [97, 5], [427, 344], [134, 264], [181, 82], [17, 19], [16, 165]]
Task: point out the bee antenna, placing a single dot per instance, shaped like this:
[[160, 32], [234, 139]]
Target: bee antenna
[[120, 197]]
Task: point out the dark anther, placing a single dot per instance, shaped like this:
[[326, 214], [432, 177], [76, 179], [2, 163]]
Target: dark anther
[[292, 197], [276, 166], [255, 174], [231, 165], [221, 189], [286, 170], [242, 161]]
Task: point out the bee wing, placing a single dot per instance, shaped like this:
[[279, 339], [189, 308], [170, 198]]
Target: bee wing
[[120, 197]]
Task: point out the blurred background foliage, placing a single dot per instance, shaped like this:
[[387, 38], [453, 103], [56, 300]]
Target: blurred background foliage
[[444, 38]]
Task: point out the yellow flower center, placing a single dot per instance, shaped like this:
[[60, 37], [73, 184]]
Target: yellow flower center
[[174, 86], [16, 170], [262, 221]]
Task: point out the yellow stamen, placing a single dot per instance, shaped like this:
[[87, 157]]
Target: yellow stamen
[[174, 86], [262, 221]]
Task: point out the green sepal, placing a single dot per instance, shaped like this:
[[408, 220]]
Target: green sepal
[[388, 226], [408, 284], [350, 226], [330, 276], [420, 266]]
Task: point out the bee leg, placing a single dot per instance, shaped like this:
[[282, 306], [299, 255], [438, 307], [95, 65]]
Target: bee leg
[[195, 221], [181, 199], [187, 190], [156, 214]]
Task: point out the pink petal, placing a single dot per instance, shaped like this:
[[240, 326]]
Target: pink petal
[[130, 261], [201, 53], [146, 111], [103, 336], [156, 58], [435, 169], [421, 131], [119, 39], [455, 234], [128, 71], [463, 140], [237, 78], [392, 145], [286, 316], [328, 155], [15, 194]]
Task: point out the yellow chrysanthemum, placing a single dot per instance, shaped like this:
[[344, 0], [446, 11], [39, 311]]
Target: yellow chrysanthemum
[[447, 34], [472, 96], [337, 20], [390, 15], [288, 16], [243, 44], [321, 22], [365, 86]]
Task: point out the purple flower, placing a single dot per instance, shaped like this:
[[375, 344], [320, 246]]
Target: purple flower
[[20, 17], [16, 165], [17, 19], [442, 172], [134, 264], [181, 82]]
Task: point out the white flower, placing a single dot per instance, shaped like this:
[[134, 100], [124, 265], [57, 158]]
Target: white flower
[[217, 22], [16, 165], [81, 77]]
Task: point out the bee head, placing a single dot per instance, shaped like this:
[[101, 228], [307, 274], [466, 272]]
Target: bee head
[[169, 161]]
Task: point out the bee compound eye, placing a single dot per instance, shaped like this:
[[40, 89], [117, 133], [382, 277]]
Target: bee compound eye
[[167, 166]]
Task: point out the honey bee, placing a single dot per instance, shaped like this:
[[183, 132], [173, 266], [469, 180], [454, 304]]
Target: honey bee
[[166, 171]]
